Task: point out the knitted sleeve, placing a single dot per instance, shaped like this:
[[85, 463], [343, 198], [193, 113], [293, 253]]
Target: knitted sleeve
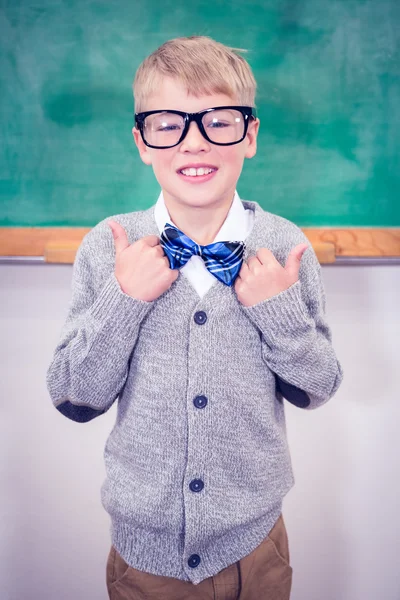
[[296, 338], [91, 360]]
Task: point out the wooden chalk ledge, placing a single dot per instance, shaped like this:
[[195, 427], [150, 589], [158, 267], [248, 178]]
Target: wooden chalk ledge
[[60, 244]]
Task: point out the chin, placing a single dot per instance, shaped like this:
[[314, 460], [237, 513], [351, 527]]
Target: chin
[[203, 197]]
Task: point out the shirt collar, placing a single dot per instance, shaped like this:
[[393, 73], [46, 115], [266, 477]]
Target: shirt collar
[[232, 229]]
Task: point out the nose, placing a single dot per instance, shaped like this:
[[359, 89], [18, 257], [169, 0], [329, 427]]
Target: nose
[[194, 141]]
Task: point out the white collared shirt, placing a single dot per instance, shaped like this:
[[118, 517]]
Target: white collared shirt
[[236, 227]]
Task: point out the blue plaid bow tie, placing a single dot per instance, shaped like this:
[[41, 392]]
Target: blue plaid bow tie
[[222, 259]]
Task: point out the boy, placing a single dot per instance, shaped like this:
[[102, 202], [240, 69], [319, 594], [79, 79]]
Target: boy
[[200, 314]]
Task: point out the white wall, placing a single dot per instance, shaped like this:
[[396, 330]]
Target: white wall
[[342, 515]]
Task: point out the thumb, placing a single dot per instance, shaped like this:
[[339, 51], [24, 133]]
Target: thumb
[[119, 235], [294, 259]]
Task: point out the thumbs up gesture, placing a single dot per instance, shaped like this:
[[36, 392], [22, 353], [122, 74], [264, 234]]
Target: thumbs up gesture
[[263, 276], [142, 269]]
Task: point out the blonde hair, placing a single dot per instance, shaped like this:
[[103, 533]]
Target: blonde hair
[[203, 65]]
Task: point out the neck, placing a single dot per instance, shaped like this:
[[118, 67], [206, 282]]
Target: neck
[[199, 223]]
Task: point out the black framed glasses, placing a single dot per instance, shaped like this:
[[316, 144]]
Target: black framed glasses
[[222, 125]]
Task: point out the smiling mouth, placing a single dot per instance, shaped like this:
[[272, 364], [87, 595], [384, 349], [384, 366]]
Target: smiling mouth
[[192, 172]]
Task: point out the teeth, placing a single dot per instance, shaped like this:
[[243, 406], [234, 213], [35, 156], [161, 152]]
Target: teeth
[[192, 172]]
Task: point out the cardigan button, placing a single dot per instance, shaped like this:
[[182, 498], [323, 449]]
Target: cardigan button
[[194, 561], [196, 485], [200, 317], [200, 401]]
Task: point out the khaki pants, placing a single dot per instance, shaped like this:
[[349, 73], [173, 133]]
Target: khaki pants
[[264, 574]]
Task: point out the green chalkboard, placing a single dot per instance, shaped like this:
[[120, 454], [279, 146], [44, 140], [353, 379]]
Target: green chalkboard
[[328, 73]]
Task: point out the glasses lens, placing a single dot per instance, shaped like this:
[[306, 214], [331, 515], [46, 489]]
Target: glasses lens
[[224, 126], [163, 129]]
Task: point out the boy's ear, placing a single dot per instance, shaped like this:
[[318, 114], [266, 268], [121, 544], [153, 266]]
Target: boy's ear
[[141, 146], [251, 138]]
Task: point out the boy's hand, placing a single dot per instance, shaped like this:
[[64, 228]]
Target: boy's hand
[[263, 276], [142, 269]]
